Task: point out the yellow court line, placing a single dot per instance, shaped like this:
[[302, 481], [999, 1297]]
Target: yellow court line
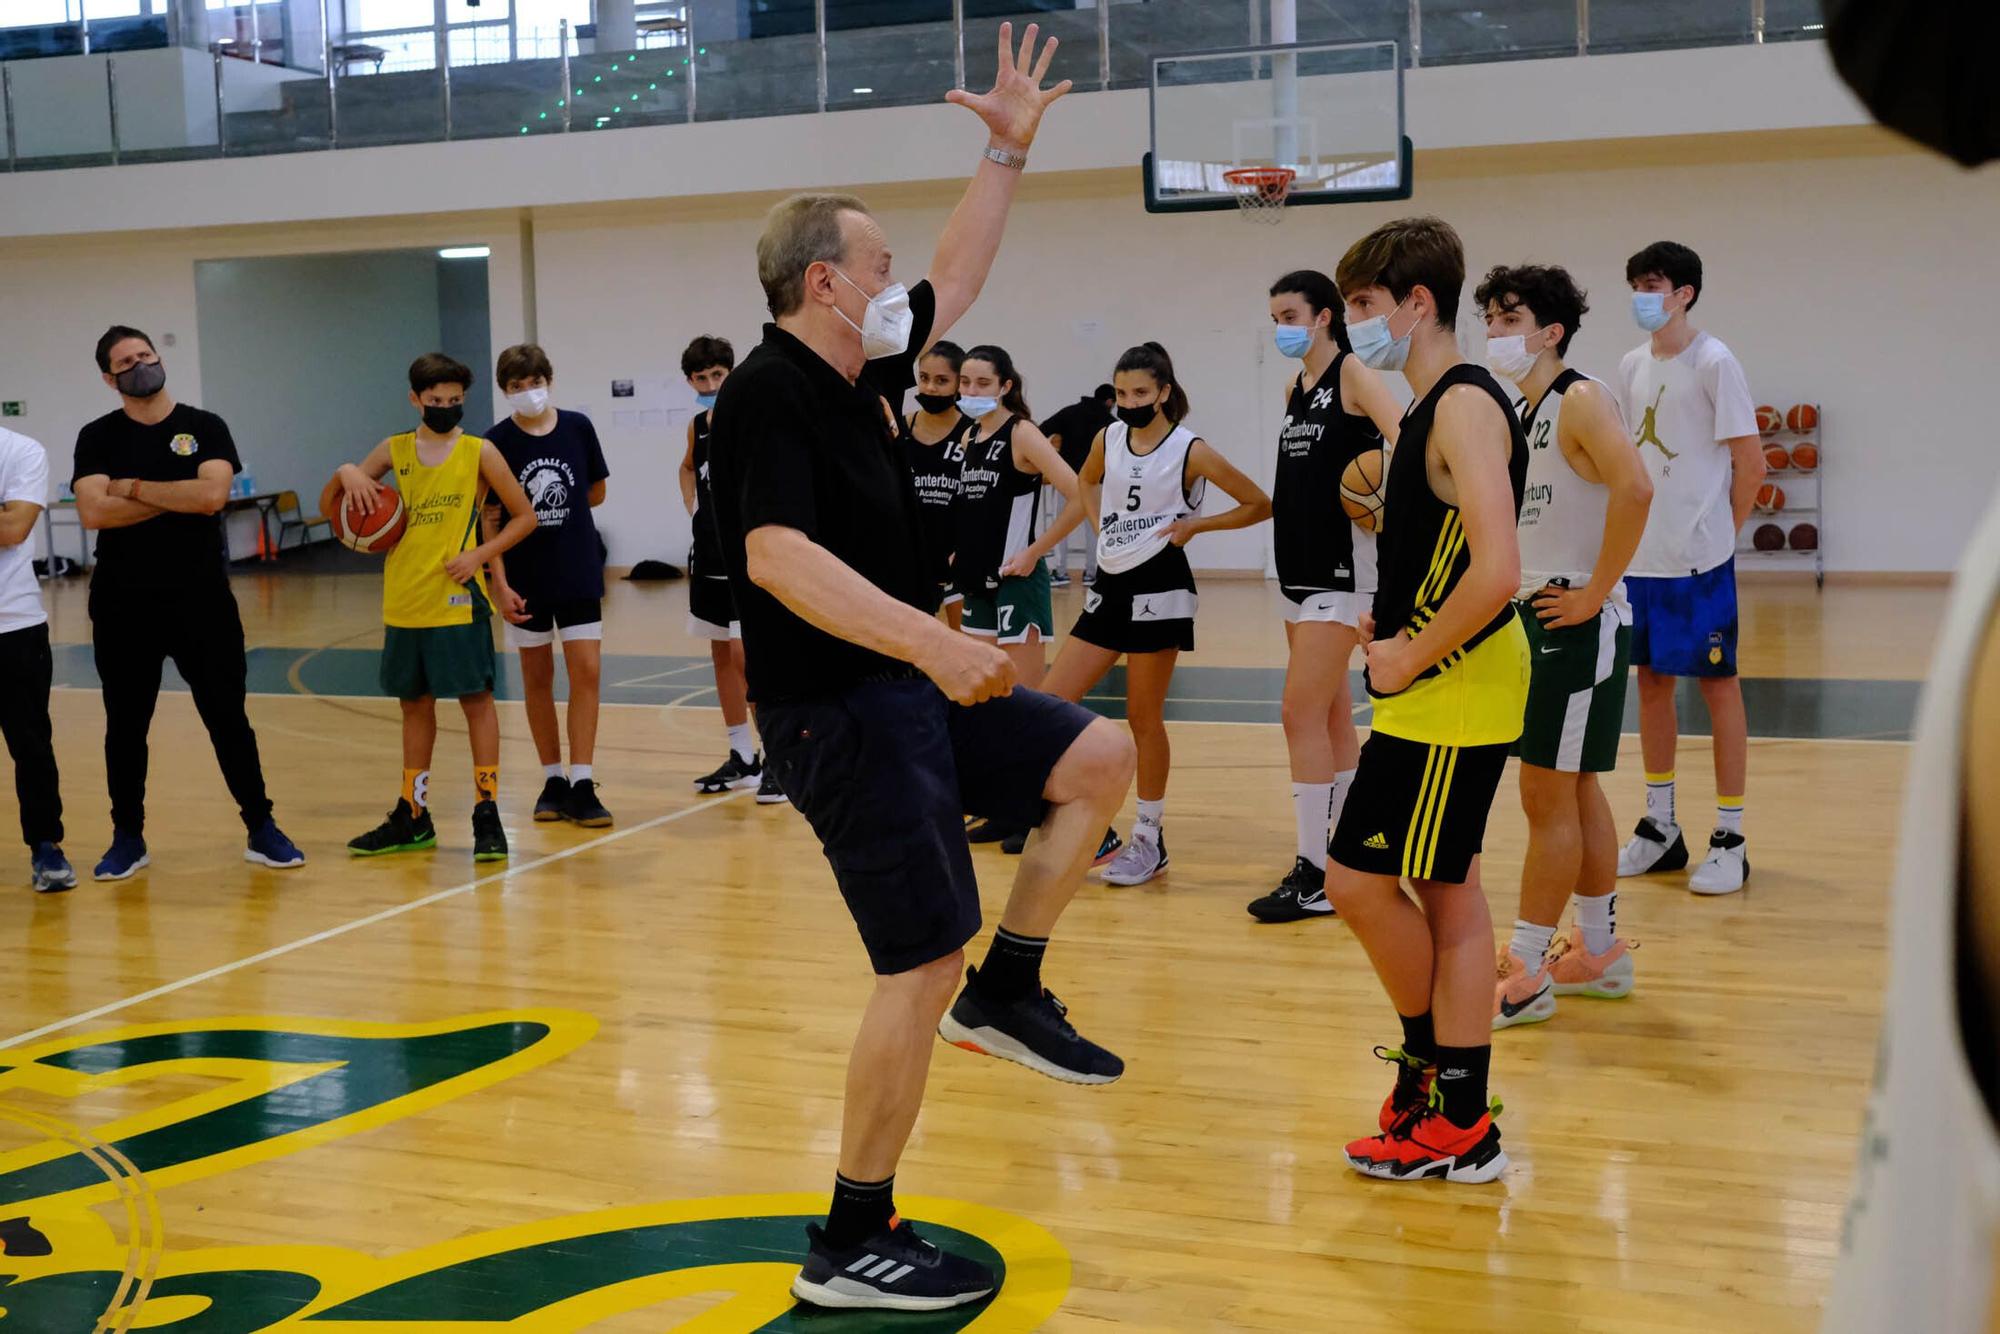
[[397, 910]]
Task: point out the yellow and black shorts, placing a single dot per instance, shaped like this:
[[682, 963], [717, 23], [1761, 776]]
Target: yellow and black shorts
[[1418, 811]]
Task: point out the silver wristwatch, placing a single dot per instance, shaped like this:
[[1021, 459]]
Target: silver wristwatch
[[1000, 155]]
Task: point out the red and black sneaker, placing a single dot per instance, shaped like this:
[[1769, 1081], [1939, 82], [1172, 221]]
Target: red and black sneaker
[[1413, 1087], [1426, 1145]]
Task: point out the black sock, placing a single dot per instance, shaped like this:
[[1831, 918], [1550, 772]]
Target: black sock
[[1419, 1038], [1461, 1082], [861, 1209], [1013, 967]]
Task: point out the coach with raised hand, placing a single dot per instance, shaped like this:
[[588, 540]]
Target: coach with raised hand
[[883, 725], [152, 479]]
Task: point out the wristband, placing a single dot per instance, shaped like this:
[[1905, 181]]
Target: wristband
[[1016, 161]]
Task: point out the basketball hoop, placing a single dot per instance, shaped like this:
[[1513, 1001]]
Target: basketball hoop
[[1261, 191]]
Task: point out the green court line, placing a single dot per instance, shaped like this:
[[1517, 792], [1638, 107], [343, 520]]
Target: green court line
[[1779, 707]]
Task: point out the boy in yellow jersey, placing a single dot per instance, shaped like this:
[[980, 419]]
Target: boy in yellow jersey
[[1447, 673], [439, 640]]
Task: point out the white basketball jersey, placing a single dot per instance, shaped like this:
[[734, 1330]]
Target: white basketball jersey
[[1562, 514], [1143, 495], [1917, 1248]]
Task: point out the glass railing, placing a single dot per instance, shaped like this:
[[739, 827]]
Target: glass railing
[[270, 80]]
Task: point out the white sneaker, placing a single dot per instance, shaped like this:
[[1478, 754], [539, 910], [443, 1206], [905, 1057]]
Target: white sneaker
[[1143, 858], [1727, 867], [1653, 847]]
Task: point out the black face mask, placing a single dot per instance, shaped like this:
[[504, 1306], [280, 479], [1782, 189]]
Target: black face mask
[[936, 403], [1139, 418], [142, 379], [441, 420]]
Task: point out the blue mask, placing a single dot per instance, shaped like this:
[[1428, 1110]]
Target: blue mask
[[1292, 339], [976, 407], [1649, 310], [1372, 342], [704, 401]]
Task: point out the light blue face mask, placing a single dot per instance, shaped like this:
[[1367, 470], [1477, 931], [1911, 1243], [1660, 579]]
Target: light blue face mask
[[1372, 342], [704, 401], [976, 407], [1292, 339], [1649, 310]]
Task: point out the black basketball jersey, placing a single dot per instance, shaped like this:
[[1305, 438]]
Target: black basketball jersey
[[1312, 540], [995, 514], [705, 556], [934, 470], [1421, 551]]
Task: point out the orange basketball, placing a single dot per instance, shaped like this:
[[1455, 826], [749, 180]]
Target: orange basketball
[[1769, 420], [375, 532], [1805, 537], [1770, 499], [1361, 493], [1776, 459], [1802, 417], [1768, 537], [1805, 456]]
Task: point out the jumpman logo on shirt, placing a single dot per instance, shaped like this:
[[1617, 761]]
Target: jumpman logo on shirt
[[1649, 427]]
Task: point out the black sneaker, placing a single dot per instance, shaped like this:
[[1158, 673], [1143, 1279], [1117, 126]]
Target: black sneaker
[[1033, 1031], [896, 1270], [736, 773], [1015, 843], [1300, 895], [489, 840], [991, 831], [768, 791], [1107, 849], [405, 830], [555, 796], [584, 808]]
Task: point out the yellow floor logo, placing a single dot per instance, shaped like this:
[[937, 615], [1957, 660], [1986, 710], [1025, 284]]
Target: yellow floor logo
[[295, 1083]]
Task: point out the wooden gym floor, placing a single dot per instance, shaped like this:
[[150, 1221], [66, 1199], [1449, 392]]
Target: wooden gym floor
[[598, 1087]]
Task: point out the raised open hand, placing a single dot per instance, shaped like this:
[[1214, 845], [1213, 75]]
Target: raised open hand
[[1013, 110]]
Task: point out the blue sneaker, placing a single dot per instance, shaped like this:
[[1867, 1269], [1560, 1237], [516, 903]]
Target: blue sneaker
[[52, 870], [269, 847], [126, 854]]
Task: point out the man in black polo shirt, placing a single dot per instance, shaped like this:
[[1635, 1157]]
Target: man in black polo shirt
[[152, 479], [1072, 430], [882, 724]]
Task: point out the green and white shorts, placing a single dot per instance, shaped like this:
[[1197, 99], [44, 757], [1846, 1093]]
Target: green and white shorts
[[1009, 612], [1576, 691]]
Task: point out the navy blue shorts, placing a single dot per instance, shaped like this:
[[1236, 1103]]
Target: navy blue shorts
[[1686, 625], [886, 773]]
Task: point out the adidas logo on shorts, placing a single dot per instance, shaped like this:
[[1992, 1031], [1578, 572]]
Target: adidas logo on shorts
[[1377, 842]]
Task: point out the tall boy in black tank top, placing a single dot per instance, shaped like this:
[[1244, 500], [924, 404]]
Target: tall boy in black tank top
[[1448, 676]]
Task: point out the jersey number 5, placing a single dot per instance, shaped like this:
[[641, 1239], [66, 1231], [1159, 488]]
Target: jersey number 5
[[1132, 501]]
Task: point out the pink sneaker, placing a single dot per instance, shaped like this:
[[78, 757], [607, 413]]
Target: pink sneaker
[[1524, 993], [1578, 972]]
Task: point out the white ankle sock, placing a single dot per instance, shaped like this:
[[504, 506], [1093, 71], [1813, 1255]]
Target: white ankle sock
[[1152, 814], [579, 773], [740, 742], [1530, 942], [1660, 799], [1729, 814], [1312, 809], [1598, 916], [552, 771]]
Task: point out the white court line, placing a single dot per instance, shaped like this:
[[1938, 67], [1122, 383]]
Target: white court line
[[223, 970], [658, 676]]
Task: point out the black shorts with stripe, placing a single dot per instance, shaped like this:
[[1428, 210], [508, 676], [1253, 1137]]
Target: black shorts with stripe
[[1418, 811]]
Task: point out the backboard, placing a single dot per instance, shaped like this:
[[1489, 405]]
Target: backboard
[[1331, 113]]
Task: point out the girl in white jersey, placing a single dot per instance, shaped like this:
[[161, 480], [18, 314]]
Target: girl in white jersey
[[1918, 1248], [1144, 478]]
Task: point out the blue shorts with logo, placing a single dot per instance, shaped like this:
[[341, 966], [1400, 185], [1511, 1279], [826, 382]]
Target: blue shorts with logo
[[1685, 625]]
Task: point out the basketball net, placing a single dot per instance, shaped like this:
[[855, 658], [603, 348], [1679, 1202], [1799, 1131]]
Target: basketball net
[[1261, 192]]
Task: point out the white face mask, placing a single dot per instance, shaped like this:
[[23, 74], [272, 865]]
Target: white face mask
[[1509, 356], [529, 402], [885, 329]]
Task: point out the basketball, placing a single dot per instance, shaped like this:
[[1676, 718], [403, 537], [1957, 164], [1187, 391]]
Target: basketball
[[1776, 459], [1768, 537], [1361, 490], [1769, 420], [1805, 537], [1770, 499], [1802, 417], [1805, 456], [375, 532]]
